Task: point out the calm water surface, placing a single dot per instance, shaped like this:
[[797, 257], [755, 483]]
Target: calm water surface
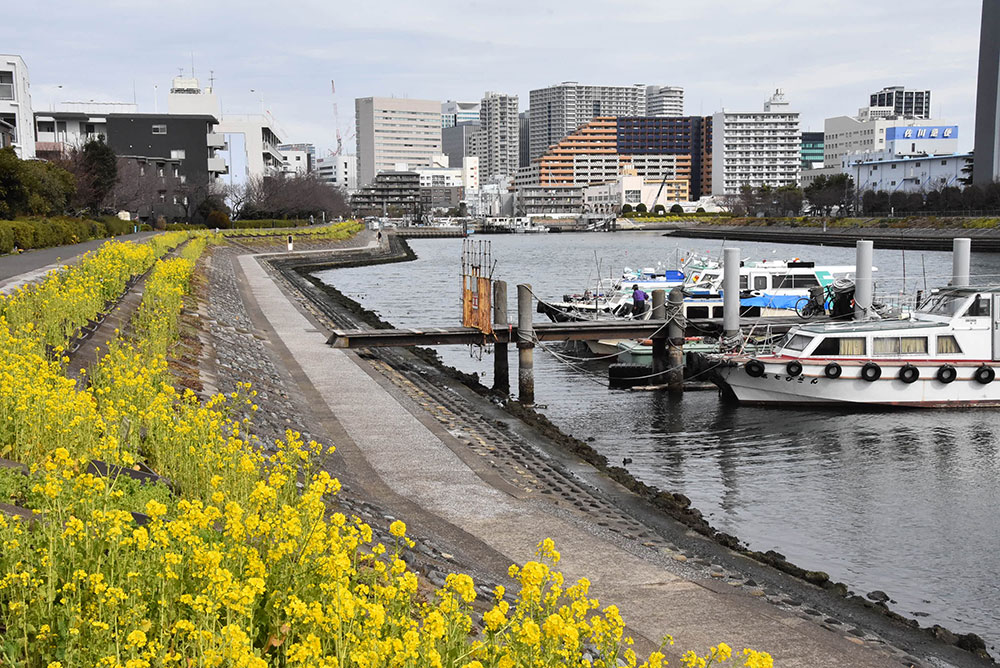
[[903, 501]]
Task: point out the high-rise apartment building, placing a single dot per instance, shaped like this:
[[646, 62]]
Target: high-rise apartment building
[[896, 101], [500, 126], [664, 101], [15, 105], [756, 148], [986, 168], [453, 113], [394, 130], [558, 110], [523, 140]]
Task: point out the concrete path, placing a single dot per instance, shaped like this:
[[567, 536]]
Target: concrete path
[[17, 270], [414, 461]]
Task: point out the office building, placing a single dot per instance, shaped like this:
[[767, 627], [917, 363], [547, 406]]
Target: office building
[[395, 130], [500, 127], [907, 174], [558, 110], [299, 159], [340, 171], [523, 140], [453, 113], [812, 150], [847, 135], [756, 148], [461, 141], [664, 101], [391, 193], [897, 102], [986, 168], [15, 105]]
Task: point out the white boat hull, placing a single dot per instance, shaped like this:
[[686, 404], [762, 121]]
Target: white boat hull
[[812, 386]]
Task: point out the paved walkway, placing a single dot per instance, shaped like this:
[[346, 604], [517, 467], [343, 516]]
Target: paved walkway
[[16, 270], [414, 462]]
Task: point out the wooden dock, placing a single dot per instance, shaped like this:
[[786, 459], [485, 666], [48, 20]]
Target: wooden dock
[[591, 330]]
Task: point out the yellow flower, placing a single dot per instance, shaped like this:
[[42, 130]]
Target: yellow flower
[[136, 639], [530, 633], [397, 529]]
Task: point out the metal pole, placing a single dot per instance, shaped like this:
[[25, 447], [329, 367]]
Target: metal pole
[[501, 370], [525, 346], [731, 292], [960, 260], [863, 280], [660, 363], [675, 332]]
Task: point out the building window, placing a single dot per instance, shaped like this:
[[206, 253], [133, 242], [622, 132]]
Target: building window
[[177, 154], [6, 85], [159, 129], [159, 169], [177, 172], [142, 170], [944, 162]]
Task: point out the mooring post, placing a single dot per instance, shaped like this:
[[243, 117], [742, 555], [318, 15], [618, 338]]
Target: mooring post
[[675, 332], [863, 287], [659, 337], [731, 293], [501, 372], [525, 346], [961, 256]]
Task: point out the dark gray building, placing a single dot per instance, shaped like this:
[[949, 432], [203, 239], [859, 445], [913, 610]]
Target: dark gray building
[[391, 193], [524, 140], [986, 165], [459, 141], [189, 139]]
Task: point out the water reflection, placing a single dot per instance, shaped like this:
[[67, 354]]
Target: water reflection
[[903, 501]]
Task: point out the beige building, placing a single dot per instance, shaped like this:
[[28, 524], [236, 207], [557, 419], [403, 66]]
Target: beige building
[[394, 130]]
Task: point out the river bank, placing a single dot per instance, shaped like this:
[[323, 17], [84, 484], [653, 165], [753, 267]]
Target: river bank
[[984, 240], [643, 521]]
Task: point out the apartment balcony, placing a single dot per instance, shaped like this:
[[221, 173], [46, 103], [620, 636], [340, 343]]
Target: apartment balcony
[[217, 166], [216, 140]]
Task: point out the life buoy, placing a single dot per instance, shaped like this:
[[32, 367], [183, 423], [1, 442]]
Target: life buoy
[[946, 374], [794, 368], [871, 372], [909, 373], [984, 375], [832, 370], [754, 368]]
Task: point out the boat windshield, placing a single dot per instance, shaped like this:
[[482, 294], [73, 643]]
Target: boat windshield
[[796, 342], [945, 303]]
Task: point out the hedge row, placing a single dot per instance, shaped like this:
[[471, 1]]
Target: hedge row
[[268, 222], [29, 233]]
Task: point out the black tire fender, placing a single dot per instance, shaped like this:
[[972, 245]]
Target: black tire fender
[[794, 368], [754, 368], [832, 370], [984, 375], [946, 373], [909, 373], [871, 372]]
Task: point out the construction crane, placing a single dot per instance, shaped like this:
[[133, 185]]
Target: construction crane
[[659, 191], [336, 122]]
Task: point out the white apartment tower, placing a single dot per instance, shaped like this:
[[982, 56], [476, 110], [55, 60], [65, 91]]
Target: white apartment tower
[[756, 148], [500, 128], [394, 130], [664, 101], [15, 104], [558, 110]]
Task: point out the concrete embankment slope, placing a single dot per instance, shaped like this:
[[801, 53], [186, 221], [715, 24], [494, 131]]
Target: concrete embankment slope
[[414, 460], [983, 240]]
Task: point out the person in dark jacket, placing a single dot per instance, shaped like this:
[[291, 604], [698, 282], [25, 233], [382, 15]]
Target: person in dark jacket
[[639, 299]]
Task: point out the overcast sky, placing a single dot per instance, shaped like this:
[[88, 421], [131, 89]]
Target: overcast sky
[[827, 56]]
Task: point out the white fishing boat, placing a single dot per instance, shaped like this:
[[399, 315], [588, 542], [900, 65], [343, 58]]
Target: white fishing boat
[[944, 354]]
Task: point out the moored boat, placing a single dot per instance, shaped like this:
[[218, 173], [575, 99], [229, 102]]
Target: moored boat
[[944, 354]]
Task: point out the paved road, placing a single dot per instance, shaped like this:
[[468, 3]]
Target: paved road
[[25, 267]]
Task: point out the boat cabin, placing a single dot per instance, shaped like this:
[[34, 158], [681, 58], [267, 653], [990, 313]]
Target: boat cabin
[[772, 276], [960, 324]]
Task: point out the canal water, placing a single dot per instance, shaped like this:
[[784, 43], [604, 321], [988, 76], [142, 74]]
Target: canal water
[[905, 501]]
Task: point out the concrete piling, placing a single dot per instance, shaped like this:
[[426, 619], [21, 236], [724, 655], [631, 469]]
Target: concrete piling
[[660, 363], [731, 292], [525, 346], [501, 370], [863, 287], [961, 256], [675, 335]]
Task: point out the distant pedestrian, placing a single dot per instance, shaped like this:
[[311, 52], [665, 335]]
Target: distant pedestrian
[[379, 236], [639, 299]]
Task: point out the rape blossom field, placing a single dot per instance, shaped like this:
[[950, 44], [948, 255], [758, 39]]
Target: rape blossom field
[[221, 554]]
